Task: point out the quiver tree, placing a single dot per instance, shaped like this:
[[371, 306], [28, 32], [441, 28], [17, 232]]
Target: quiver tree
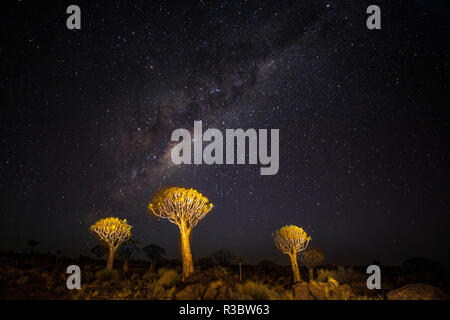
[[155, 253], [112, 231], [312, 257], [32, 244], [291, 240], [128, 248], [185, 208], [223, 257]]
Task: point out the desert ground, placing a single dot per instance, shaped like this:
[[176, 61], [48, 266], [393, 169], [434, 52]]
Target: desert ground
[[43, 276]]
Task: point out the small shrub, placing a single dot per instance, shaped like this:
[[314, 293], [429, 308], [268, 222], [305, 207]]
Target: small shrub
[[125, 293], [168, 278], [347, 275], [164, 288], [324, 274], [150, 276], [160, 292], [215, 284], [280, 293], [107, 275], [253, 290]]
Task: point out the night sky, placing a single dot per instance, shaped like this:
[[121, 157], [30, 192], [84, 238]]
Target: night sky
[[86, 119]]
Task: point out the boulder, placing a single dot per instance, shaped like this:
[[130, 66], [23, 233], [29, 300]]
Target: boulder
[[333, 282], [212, 290], [343, 292], [301, 291], [225, 293], [319, 290], [191, 292], [316, 290], [22, 280], [417, 291]]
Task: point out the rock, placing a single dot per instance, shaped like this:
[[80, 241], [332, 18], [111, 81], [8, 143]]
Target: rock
[[343, 292], [22, 280], [60, 290], [417, 291], [316, 290], [213, 290], [301, 292], [211, 293], [319, 290], [333, 282], [224, 293], [191, 292], [222, 296], [207, 275]]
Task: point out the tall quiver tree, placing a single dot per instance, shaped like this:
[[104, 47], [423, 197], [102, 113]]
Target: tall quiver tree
[[185, 208], [312, 257], [291, 240], [112, 231]]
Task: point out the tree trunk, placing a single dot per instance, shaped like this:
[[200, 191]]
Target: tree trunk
[[311, 274], [151, 268], [125, 265], [240, 271], [110, 260], [186, 255], [295, 269]]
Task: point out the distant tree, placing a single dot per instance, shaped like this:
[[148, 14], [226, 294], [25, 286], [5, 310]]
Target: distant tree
[[58, 255], [100, 250], [267, 266], [127, 249], [206, 263], [185, 208], [419, 264], [376, 262], [32, 244], [291, 240], [239, 261], [112, 231], [155, 253], [223, 257], [312, 257]]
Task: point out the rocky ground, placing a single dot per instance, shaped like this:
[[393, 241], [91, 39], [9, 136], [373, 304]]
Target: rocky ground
[[43, 276]]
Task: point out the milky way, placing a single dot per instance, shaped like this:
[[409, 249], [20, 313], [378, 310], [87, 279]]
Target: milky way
[[363, 156]]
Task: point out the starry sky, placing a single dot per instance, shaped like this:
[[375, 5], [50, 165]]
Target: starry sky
[[87, 117]]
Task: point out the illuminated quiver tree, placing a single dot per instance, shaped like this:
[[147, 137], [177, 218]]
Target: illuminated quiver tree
[[291, 240], [112, 231], [185, 208]]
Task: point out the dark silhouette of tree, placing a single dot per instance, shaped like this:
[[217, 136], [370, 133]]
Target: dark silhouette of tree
[[312, 257], [419, 264], [32, 244], [127, 249], [58, 255], [100, 251], [267, 266], [223, 257], [155, 253], [206, 263], [239, 261]]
